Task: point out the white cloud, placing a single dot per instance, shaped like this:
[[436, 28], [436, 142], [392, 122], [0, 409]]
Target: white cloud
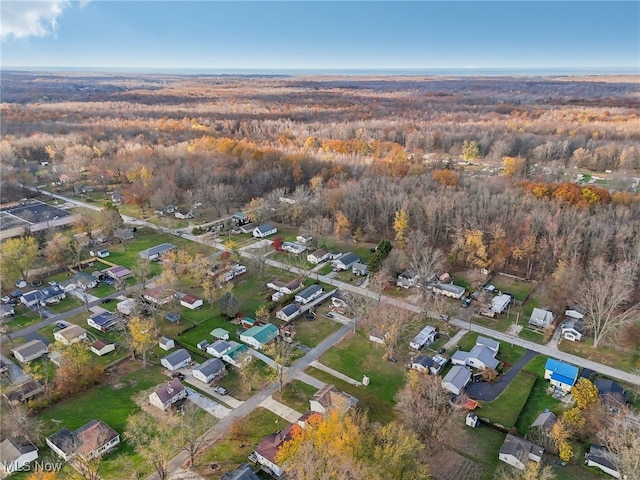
[[26, 18]]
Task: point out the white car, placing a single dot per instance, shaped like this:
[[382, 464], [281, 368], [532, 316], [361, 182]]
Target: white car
[[21, 283]]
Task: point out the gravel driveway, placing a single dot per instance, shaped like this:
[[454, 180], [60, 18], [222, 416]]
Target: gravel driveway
[[207, 404]]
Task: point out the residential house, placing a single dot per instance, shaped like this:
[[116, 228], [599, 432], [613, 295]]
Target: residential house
[[479, 357], [264, 230], [157, 295], [572, 330], [407, 279], [30, 351], [425, 363], [84, 281], [183, 214], [70, 334], [23, 392], [176, 360], [490, 343], [318, 256], [191, 302], [7, 310], [330, 398], [267, 450], [45, 296], [104, 321], [118, 273], [240, 218], [125, 307], [448, 290], [308, 294], [166, 343], [167, 395], [101, 347], [218, 348], [248, 227], [562, 375], [237, 355], [243, 472], [4, 368], [545, 421], [220, 333], [117, 198], [602, 458], [16, 454], [92, 440], [345, 261], [500, 303], [288, 312], [293, 247], [540, 318], [612, 395], [427, 336], [574, 312], [259, 336], [154, 253], [456, 379], [359, 269], [517, 452], [286, 287], [209, 370]]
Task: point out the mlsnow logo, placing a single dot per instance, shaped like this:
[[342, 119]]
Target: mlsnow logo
[[33, 467]]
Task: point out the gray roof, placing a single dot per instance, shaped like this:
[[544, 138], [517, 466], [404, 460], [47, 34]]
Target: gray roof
[[602, 456], [424, 360], [105, 319], [11, 450], [220, 346], [210, 367], [265, 227], [488, 342], [544, 420], [157, 250], [348, 258], [309, 291], [177, 357], [520, 448], [485, 355], [29, 348], [458, 376], [65, 440], [243, 472]]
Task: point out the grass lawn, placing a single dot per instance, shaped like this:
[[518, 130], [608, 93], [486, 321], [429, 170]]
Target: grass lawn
[[517, 288], [326, 269], [296, 394], [311, 333], [506, 409], [203, 331], [230, 453], [501, 324], [22, 319], [236, 386], [604, 354], [532, 335], [65, 305]]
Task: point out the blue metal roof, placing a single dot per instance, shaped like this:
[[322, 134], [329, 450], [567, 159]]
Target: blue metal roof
[[563, 369], [563, 379]]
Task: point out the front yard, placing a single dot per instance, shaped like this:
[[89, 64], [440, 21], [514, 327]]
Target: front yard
[[312, 332], [296, 394]]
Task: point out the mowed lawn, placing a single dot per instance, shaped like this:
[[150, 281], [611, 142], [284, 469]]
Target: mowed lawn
[[506, 409], [356, 356], [312, 332], [296, 394]]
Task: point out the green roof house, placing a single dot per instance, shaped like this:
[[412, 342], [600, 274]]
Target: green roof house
[[259, 336]]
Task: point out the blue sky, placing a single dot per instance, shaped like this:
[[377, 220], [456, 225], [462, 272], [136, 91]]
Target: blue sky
[[317, 35]]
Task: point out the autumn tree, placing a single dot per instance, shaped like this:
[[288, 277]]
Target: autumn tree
[[17, 257], [77, 369], [446, 177], [109, 219], [424, 405], [401, 227], [622, 437], [585, 394], [561, 437], [155, 442], [58, 250], [470, 150], [357, 307], [514, 166], [142, 270], [389, 323], [282, 352], [17, 421], [532, 471], [605, 294], [263, 313], [142, 336], [342, 225]]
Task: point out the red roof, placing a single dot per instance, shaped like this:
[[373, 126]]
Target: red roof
[[189, 299]]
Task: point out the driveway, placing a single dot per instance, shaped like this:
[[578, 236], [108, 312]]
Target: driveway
[[208, 405], [490, 391]]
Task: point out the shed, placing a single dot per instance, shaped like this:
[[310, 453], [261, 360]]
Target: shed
[[166, 343], [456, 379], [259, 336], [101, 347], [191, 302], [220, 333]]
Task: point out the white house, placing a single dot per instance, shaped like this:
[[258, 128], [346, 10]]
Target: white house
[[219, 348], [264, 230], [191, 302], [30, 351], [330, 398], [157, 295], [288, 312], [7, 310], [425, 363], [209, 370], [92, 440], [101, 347], [70, 334], [426, 336], [456, 379], [259, 336], [318, 256], [166, 343], [407, 279], [293, 247], [602, 458], [561, 375], [449, 290], [168, 394], [479, 357], [154, 253], [125, 307], [286, 288], [541, 318], [575, 312], [308, 294], [517, 452], [499, 303], [104, 321], [15, 454], [237, 355], [572, 330], [267, 450], [359, 269], [176, 360]]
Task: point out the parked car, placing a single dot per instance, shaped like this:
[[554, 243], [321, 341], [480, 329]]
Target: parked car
[[5, 299], [61, 325], [179, 375], [466, 303], [21, 283], [107, 300], [329, 315], [221, 390], [442, 350], [108, 281]]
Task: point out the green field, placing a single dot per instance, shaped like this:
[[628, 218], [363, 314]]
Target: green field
[[296, 394], [506, 409], [311, 333]]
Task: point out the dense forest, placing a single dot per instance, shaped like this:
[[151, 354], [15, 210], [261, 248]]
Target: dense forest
[[524, 175]]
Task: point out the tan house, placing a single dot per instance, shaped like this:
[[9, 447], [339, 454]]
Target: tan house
[[30, 351], [330, 398], [70, 334]]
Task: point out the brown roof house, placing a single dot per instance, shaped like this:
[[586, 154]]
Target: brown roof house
[[91, 440], [330, 398], [266, 451], [168, 395]]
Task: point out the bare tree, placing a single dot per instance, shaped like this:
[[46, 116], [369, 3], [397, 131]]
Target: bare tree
[[155, 442], [282, 352], [357, 307], [17, 421], [605, 295], [390, 324], [622, 437], [193, 425]]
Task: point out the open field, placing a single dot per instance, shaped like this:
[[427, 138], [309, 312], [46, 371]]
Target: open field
[[312, 332], [506, 409], [628, 361], [296, 394]]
